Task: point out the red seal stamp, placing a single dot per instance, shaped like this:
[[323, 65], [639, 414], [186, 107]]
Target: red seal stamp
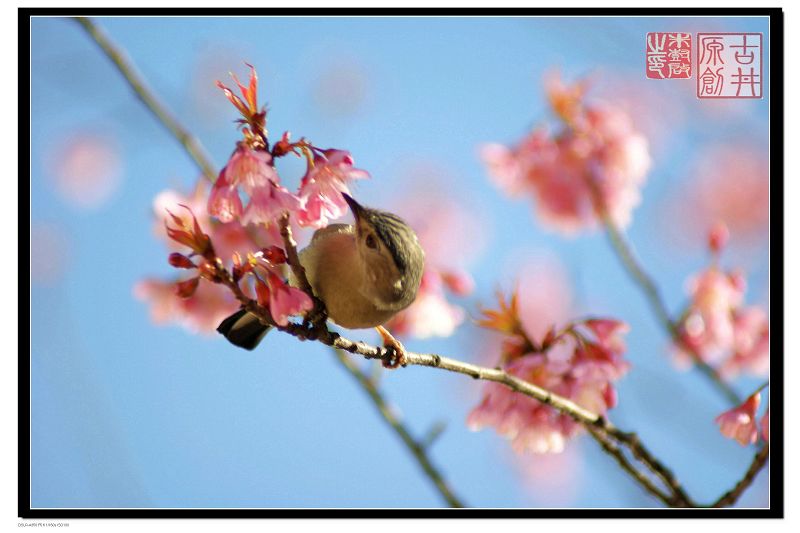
[[669, 55], [729, 65]]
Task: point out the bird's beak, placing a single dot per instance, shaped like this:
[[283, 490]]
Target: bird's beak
[[355, 207]]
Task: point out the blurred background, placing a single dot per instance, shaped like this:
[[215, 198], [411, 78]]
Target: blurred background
[[128, 413]]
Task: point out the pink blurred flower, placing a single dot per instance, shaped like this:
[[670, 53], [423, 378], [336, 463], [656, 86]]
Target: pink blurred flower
[[765, 426], [580, 363], [717, 326], [750, 344], [545, 294], [554, 480], [598, 149], [49, 253], [431, 314], [739, 423], [733, 186], [433, 218], [322, 187], [285, 301], [202, 312], [86, 169], [709, 324]]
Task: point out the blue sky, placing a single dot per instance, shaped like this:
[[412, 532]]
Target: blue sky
[[125, 413]]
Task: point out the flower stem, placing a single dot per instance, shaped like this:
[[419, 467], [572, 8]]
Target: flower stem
[[148, 98]]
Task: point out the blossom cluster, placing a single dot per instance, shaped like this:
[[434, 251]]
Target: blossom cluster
[[238, 220], [580, 362], [717, 326], [594, 164]]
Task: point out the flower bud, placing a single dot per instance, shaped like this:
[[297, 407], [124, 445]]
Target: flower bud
[[718, 237], [180, 261], [186, 288]]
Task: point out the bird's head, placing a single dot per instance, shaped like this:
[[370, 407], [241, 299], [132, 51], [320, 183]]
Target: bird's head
[[391, 255]]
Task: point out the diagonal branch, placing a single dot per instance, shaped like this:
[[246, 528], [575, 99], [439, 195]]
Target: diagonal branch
[[148, 98], [624, 252], [595, 423], [415, 447], [196, 152], [730, 497]]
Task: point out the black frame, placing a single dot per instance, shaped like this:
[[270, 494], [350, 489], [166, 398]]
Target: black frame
[[776, 61]]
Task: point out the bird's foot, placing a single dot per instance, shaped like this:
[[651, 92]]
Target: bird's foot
[[398, 352], [315, 319]]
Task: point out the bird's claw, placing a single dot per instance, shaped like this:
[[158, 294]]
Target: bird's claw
[[397, 352]]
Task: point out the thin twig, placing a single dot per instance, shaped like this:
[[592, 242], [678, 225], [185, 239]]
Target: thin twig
[[319, 313], [730, 497], [148, 98], [415, 447], [616, 452], [643, 455], [624, 252]]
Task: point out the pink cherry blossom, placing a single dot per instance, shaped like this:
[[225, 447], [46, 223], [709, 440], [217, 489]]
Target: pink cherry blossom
[[708, 326], [598, 152], [739, 423], [224, 201], [750, 344], [227, 238], [580, 363], [285, 301], [717, 326], [322, 187], [765, 426], [268, 203], [248, 169], [718, 237]]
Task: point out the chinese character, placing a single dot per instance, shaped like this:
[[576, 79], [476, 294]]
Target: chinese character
[[679, 70], [720, 60], [711, 46], [752, 79], [740, 56], [711, 81]]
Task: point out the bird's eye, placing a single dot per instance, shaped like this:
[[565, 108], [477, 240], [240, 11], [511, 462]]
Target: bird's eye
[[371, 242]]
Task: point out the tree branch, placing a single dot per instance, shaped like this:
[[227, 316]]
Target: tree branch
[[416, 448], [730, 497], [148, 98], [593, 422], [641, 279]]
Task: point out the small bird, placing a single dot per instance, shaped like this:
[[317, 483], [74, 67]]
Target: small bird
[[364, 273]]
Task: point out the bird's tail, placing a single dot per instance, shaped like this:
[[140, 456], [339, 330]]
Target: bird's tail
[[243, 329]]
